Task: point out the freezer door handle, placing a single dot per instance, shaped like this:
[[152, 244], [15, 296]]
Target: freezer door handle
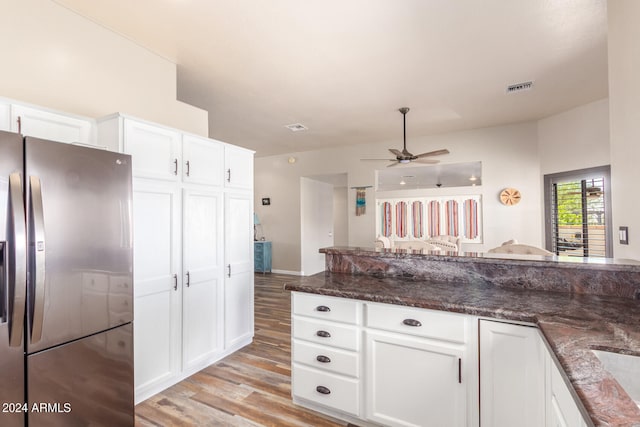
[[38, 249], [17, 260]]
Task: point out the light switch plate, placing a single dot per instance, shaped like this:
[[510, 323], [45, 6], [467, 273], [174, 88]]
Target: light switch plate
[[623, 235]]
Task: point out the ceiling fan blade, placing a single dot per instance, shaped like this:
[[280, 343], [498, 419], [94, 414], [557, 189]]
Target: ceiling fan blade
[[433, 153], [393, 164], [395, 152], [380, 160], [426, 161]]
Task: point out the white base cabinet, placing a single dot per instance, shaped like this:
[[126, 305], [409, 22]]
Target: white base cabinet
[[512, 375], [414, 367], [376, 364], [562, 409]]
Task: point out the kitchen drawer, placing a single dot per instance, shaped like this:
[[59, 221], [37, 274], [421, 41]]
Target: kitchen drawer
[[337, 335], [327, 308], [120, 285], [430, 324], [343, 393], [120, 303], [95, 282], [326, 358]]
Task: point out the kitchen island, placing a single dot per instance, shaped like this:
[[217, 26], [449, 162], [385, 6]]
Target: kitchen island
[[578, 305]]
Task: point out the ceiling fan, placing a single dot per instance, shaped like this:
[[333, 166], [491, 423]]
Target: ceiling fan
[[404, 156]]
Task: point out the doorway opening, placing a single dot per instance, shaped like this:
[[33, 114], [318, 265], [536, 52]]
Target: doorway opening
[[323, 218], [578, 213]]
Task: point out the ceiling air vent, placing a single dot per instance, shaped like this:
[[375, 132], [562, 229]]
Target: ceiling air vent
[[519, 87], [296, 127]]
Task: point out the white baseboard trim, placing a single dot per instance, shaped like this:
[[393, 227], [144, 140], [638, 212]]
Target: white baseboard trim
[[293, 273]]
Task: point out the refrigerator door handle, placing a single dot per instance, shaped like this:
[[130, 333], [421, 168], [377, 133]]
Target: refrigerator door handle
[[18, 259], [38, 247]]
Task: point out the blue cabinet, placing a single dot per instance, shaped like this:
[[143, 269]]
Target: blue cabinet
[[262, 257]]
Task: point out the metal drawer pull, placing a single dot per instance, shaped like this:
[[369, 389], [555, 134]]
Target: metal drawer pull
[[323, 334], [322, 389], [323, 308], [323, 359], [412, 322]]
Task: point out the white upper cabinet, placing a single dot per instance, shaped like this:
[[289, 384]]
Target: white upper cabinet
[[5, 116], [167, 154], [238, 165], [202, 161], [45, 124], [155, 150]]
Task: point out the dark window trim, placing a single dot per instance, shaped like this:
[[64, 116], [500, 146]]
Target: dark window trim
[[579, 174]]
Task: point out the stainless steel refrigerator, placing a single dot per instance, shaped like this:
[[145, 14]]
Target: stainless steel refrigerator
[[66, 285]]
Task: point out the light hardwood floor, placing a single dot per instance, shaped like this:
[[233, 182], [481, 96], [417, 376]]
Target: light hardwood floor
[[251, 387]]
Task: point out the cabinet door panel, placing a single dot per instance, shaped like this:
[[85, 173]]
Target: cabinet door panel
[[202, 161], [412, 382], [238, 164], [5, 116], [202, 259], [238, 238], [157, 291], [238, 308], [238, 232], [155, 150], [511, 375], [53, 126]]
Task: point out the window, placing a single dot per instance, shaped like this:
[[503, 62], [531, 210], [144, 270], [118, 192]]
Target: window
[[578, 212]]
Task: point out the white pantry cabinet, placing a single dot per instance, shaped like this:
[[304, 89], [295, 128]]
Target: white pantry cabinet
[[511, 375], [190, 231], [39, 122], [238, 288]]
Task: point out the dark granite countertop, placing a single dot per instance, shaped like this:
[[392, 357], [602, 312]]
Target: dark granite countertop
[[572, 323]]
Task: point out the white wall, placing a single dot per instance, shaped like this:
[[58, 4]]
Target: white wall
[[340, 216], [509, 155], [624, 103], [575, 139], [57, 59], [316, 211]]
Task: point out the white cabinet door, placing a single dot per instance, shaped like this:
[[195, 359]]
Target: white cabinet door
[[238, 238], [202, 161], [53, 126], [157, 287], [238, 164], [202, 276], [5, 116], [561, 408], [511, 375], [155, 150], [414, 382]]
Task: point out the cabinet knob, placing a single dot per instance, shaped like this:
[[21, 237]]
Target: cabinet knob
[[323, 308], [175, 282], [412, 322], [323, 359], [175, 164], [323, 334], [323, 390], [188, 167]]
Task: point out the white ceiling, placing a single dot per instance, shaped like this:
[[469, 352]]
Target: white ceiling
[[342, 68]]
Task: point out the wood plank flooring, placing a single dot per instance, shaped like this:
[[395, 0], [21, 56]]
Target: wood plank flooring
[[251, 387]]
